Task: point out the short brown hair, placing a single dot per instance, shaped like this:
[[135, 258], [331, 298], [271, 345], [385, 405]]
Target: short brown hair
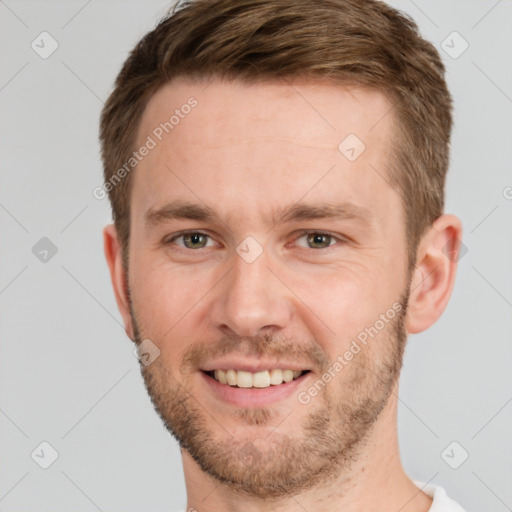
[[362, 42]]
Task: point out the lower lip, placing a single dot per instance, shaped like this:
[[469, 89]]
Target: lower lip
[[253, 397]]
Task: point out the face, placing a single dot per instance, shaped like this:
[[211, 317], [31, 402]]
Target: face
[[267, 263]]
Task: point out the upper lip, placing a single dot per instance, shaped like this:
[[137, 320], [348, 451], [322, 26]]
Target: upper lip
[[252, 366]]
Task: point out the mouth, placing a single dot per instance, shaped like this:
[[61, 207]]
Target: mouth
[[257, 380]]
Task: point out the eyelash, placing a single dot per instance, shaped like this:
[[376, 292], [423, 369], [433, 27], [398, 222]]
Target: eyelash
[[339, 240]]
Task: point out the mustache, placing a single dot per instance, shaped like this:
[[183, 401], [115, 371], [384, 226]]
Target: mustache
[[272, 346]]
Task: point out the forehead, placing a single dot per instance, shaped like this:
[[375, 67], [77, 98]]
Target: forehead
[[234, 144], [325, 109]]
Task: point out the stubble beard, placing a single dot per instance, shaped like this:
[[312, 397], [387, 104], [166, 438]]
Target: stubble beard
[[324, 444]]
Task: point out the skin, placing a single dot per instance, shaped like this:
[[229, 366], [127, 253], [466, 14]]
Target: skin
[[245, 151]]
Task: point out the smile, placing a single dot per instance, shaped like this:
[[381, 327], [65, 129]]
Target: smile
[[261, 379]]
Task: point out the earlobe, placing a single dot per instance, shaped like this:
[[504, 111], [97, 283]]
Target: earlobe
[[114, 257], [434, 274]]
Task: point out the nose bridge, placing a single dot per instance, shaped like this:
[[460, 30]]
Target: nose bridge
[[252, 297]]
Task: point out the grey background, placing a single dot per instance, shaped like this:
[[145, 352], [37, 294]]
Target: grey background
[[67, 372]]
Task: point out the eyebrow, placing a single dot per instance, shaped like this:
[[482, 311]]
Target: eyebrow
[[180, 210], [185, 210], [304, 212]]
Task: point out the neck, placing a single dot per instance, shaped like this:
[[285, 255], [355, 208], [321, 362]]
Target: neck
[[375, 481]]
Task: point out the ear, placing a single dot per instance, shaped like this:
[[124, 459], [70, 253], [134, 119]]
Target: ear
[[114, 257], [434, 274]]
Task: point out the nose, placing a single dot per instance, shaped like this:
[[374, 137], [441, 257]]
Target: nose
[[251, 298]]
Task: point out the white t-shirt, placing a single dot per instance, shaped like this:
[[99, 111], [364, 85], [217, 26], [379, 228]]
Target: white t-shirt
[[441, 503]]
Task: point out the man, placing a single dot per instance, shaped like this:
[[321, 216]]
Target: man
[[276, 171]]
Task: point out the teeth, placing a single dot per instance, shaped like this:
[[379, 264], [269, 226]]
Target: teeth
[[276, 377], [230, 377], [244, 379], [264, 379], [261, 379], [287, 375], [220, 376]]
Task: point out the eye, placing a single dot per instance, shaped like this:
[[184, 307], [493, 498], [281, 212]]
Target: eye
[[191, 240], [318, 240]]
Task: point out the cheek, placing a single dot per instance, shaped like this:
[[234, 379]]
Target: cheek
[[344, 303], [164, 297]]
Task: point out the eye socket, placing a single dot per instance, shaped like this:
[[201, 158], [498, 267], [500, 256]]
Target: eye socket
[[198, 240], [191, 240], [318, 239]]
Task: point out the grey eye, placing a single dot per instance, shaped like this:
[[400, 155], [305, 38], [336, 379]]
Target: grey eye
[[195, 240], [319, 240]]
